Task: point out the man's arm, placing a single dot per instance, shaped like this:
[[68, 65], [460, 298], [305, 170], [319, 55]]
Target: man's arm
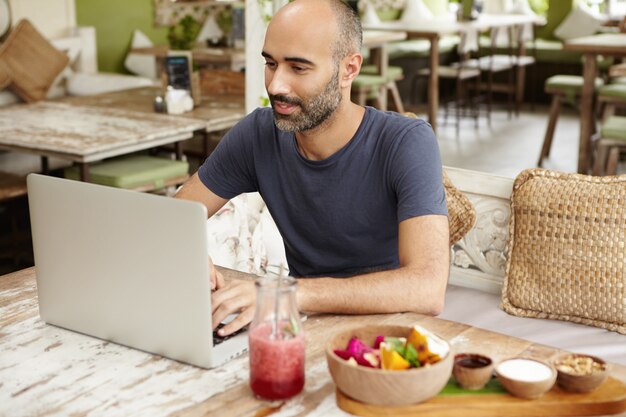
[[418, 285], [195, 190]]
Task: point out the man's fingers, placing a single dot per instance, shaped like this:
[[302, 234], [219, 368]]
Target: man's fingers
[[240, 321], [219, 280]]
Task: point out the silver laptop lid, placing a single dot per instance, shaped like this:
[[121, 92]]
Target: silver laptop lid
[[123, 266]]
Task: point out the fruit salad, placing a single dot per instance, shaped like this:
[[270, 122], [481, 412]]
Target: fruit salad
[[390, 353]]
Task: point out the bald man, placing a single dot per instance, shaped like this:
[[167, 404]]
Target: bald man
[[356, 193]]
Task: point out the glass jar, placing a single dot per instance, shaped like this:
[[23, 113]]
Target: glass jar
[[276, 340]]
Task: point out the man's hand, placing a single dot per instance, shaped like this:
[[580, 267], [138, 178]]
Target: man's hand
[[237, 296], [217, 280]]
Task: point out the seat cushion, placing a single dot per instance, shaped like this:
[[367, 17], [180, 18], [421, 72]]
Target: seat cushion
[[133, 171], [393, 72], [420, 48], [614, 128], [616, 91], [31, 62], [546, 50], [365, 80], [568, 84], [567, 240]]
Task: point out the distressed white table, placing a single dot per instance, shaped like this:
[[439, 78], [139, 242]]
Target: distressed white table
[[85, 134], [217, 112], [49, 371]]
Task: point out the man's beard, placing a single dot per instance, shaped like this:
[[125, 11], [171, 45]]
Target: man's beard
[[313, 111]]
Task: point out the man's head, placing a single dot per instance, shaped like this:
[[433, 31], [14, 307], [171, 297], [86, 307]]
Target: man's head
[[312, 53]]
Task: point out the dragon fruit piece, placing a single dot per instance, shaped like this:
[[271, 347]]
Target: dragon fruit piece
[[378, 341]]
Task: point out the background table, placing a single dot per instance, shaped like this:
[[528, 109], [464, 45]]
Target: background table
[[85, 134], [46, 370], [434, 29]]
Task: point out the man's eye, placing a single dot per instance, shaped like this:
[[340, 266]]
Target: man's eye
[[270, 64], [297, 68]]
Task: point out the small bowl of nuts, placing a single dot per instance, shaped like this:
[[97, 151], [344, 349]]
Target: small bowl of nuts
[[580, 373]]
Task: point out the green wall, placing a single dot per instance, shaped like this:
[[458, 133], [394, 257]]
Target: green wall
[[115, 21]]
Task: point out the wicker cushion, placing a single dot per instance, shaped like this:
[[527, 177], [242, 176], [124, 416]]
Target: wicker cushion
[[567, 249], [32, 62], [461, 214]]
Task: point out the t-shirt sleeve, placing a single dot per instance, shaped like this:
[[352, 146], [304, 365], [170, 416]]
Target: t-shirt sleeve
[[416, 174], [229, 170]]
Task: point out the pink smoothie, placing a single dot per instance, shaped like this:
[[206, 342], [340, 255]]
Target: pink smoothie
[[276, 366]]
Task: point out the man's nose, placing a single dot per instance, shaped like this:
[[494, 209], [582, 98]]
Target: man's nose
[[277, 82]]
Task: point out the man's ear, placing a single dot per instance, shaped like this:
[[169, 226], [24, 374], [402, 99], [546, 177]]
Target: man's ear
[[351, 68]]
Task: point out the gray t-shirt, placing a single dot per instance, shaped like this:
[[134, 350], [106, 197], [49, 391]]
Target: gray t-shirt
[[339, 216]]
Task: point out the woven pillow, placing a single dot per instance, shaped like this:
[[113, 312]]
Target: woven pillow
[[31, 61], [461, 214], [567, 248]]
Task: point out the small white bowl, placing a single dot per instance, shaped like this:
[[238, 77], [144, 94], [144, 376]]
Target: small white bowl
[[525, 377]]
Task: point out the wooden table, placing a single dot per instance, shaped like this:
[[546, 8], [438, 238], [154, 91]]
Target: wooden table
[[216, 112], [608, 44], [85, 134], [434, 29], [45, 370]]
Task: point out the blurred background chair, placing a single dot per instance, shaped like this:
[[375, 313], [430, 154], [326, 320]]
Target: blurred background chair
[[608, 146], [464, 78], [563, 89]]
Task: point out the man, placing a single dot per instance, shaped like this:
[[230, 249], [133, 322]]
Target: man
[[356, 193]]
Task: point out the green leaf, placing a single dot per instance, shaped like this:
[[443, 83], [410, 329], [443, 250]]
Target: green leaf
[[410, 354]]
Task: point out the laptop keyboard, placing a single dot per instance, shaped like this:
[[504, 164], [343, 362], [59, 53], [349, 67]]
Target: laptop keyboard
[[217, 339]]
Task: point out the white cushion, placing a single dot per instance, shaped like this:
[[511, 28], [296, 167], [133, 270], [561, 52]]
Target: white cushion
[[229, 236], [520, 7], [579, 22], [268, 249], [415, 10], [370, 17], [141, 64], [84, 84], [496, 6]]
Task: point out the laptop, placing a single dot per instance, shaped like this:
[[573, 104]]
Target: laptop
[[126, 267]]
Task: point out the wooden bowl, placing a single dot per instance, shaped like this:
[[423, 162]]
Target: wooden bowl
[[472, 371], [574, 372], [385, 387], [525, 377]]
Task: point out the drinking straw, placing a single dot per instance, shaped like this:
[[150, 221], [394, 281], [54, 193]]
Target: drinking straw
[[276, 303]]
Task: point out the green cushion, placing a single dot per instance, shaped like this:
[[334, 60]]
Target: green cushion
[[365, 80], [614, 128], [132, 171], [420, 48], [613, 90], [569, 84], [393, 72], [388, 14], [546, 50]]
